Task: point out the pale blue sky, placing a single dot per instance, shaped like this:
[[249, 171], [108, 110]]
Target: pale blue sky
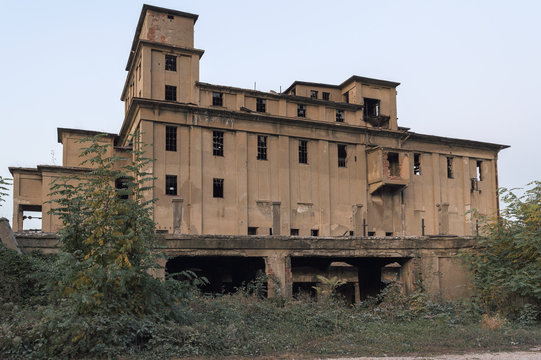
[[469, 69]]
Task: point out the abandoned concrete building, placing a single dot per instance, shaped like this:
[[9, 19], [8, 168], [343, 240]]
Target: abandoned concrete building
[[316, 180]]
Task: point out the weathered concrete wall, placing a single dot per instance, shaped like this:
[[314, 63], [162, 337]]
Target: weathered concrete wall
[[6, 236]]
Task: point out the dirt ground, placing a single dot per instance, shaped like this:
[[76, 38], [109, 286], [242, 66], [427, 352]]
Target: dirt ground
[[533, 354]]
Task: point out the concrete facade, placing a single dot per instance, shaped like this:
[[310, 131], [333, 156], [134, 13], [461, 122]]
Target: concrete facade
[[317, 160]]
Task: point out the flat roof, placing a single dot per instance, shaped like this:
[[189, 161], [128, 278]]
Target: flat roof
[[358, 78], [60, 131]]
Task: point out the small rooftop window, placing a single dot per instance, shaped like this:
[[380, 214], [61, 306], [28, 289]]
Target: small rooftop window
[[371, 107], [326, 96], [217, 99], [301, 110], [313, 94]]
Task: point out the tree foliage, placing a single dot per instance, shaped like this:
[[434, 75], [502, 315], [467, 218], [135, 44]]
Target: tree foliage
[[506, 263], [4, 183]]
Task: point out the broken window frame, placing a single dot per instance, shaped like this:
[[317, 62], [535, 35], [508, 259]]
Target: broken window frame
[[314, 232], [171, 185], [371, 107], [340, 115], [261, 105], [170, 93], [313, 94], [252, 230], [170, 138], [301, 110], [393, 159], [217, 143], [342, 150], [261, 147], [416, 164], [294, 232], [303, 151], [326, 96], [217, 98], [450, 174], [479, 169], [170, 62], [218, 188], [346, 97]]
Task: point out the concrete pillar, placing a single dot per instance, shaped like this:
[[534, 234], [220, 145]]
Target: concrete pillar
[[275, 218], [7, 237], [357, 293], [443, 218], [278, 270], [357, 220], [177, 215]]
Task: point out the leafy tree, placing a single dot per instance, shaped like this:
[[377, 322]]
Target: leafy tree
[[107, 237], [4, 183], [506, 263]]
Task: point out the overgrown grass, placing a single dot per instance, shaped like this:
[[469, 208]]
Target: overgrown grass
[[243, 326]]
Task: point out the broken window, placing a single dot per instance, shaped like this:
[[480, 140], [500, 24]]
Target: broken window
[[170, 184], [170, 93], [252, 230], [121, 186], [303, 152], [301, 110], [326, 96], [261, 147], [170, 62], [294, 232], [394, 166], [171, 138], [346, 97], [416, 164], [314, 232], [371, 107], [388, 234], [218, 188], [342, 154], [170, 16], [479, 170], [217, 99], [450, 168], [371, 233], [270, 231], [218, 143], [261, 105], [339, 115], [313, 94]]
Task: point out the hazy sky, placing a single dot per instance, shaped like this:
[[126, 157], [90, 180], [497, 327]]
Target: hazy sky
[[468, 69]]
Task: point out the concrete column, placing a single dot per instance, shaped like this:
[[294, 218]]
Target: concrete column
[[177, 215], [278, 270], [275, 218], [7, 237], [357, 217], [357, 293], [443, 218]]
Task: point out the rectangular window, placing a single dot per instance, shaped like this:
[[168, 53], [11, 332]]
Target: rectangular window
[[450, 168], [394, 165], [313, 94], [170, 93], [261, 147], [371, 233], [217, 99], [416, 164], [252, 230], [479, 170], [388, 234], [303, 152], [342, 155], [218, 143], [294, 232], [218, 188], [314, 232], [346, 97], [171, 138], [170, 184], [326, 96], [261, 105], [339, 115], [139, 71], [371, 107], [170, 62], [301, 110]]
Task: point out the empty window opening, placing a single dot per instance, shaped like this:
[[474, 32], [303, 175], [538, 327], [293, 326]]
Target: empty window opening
[[313, 94], [252, 230], [416, 164], [261, 105], [303, 152], [218, 143], [218, 188], [450, 168], [394, 166], [170, 16], [388, 234], [171, 138], [371, 233], [122, 187], [346, 97], [371, 107], [270, 231], [479, 170], [301, 110], [339, 115], [294, 232], [342, 155], [217, 99], [351, 233], [314, 232], [32, 215], [171, 62], [170, 184], [326, 96], [261, 147], [170, 93]]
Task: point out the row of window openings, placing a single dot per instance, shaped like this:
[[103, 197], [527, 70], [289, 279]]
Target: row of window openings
[[171, 186], [293, 232], [478, 169]]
